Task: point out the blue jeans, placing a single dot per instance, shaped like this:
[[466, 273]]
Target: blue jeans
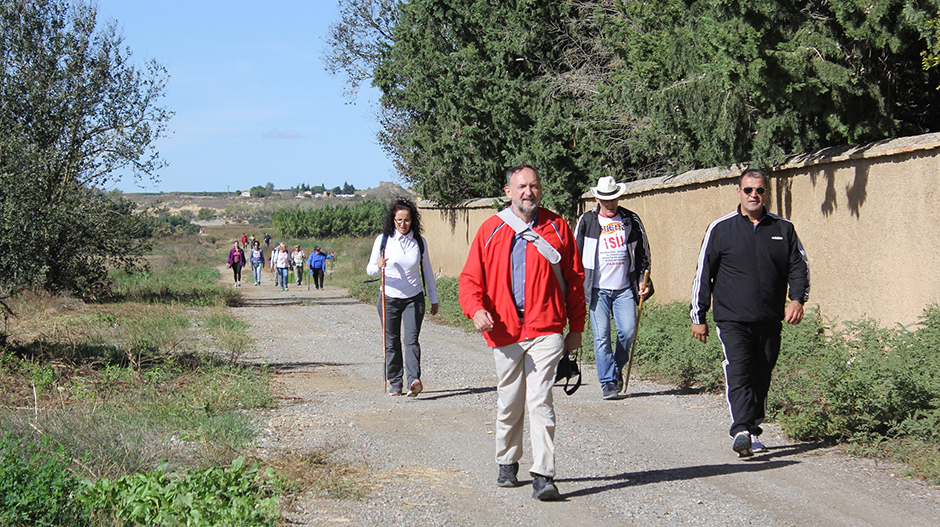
[[610, 363], [256, 267], [282, 276]]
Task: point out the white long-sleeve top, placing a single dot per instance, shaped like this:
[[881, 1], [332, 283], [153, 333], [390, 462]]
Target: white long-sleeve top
[[402, 271], [281, 260]]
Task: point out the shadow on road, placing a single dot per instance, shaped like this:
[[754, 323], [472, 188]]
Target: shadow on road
[[288, 298], [790, 450], [294, 367], [444, 394], [675, 391], [629, 479]]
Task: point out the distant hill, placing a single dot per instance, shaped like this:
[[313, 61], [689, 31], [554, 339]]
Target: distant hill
[[233, 208]]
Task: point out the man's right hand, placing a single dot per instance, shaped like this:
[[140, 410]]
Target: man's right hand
[[700, 331], [482, 320]]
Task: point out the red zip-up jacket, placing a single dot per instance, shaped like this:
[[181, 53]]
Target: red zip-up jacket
[[486, 282]]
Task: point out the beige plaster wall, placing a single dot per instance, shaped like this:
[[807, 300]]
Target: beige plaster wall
[[865, 216], [450, 231]]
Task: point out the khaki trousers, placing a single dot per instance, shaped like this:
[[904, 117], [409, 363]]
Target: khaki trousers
[[526, 374]]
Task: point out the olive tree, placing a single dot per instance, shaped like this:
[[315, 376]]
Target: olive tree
[[74, 113]]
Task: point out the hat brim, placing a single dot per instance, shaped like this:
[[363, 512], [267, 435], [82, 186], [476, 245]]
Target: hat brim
[[621, 188]]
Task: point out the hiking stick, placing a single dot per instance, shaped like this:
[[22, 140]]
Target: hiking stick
[[639, 311], [384, 342]]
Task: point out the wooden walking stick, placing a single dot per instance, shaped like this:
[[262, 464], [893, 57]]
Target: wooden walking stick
[[636, 333], [384, 340]]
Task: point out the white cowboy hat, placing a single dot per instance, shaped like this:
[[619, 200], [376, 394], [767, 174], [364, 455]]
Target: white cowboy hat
[[608, 188]]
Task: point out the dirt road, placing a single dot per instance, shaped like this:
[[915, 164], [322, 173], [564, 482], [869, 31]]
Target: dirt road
[[654, 458]]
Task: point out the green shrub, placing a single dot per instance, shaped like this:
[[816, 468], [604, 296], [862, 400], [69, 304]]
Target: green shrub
[[36, 487], [861, 382], [666, 350], [237, 495], [362, 219], [205, 214]]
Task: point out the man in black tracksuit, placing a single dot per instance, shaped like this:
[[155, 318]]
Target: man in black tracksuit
[[748, 259]]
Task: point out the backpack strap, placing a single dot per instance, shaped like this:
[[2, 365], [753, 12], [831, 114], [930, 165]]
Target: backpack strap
[[545, 249]]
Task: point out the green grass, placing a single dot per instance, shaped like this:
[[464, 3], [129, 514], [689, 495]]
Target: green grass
[[126, 389]]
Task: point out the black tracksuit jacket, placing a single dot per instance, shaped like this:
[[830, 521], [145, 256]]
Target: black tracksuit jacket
[[746, 270]]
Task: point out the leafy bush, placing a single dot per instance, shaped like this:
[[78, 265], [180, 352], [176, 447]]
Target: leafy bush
[[36, 487], [170, 224], [258, 191], [237, 495], [862, 383], [362, 219], [666, 350], [205, 214]]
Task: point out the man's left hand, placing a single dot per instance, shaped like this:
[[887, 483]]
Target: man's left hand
[[794, 312], [572, 341]]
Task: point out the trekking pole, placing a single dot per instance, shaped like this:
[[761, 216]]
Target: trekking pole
[[636, 333], [384, 341]]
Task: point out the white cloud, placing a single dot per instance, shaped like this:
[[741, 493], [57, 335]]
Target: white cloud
[[274, 133]]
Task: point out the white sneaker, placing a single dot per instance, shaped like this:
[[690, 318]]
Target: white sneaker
[[757, 446]]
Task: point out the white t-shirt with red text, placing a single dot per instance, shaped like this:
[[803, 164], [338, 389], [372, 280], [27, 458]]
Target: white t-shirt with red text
[[612, 258]]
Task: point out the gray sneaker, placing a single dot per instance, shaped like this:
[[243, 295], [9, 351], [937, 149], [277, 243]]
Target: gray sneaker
[[609, 391], [756, 446], [544, 489], [742, 444], [507, 475]]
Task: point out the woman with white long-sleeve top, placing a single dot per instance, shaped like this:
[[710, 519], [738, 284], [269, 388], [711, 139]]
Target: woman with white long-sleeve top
[[408, 276]]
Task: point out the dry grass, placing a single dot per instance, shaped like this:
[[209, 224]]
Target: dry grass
[[315, 472]]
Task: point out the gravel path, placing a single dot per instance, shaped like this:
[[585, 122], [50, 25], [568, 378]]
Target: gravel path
[[654, 458]]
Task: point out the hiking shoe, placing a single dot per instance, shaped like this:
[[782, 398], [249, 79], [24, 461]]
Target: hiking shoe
[[544, 489], [609, 391], [757, 446], [618, 384], [742, 444], [415, 388], [507, 475], [395, 391]]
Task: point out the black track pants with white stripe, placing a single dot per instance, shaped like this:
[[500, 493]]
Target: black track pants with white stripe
[[751, 350]]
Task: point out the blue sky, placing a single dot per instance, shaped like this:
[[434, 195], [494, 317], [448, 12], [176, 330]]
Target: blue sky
[[252, 99]]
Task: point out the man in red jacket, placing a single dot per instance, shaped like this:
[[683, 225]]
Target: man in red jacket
[[515, 298]]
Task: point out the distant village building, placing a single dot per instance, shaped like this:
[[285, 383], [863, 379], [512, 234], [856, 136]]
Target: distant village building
[[245, 194]]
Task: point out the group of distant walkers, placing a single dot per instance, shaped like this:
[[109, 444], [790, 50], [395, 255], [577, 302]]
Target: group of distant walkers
[[528, 276], [281, 262]]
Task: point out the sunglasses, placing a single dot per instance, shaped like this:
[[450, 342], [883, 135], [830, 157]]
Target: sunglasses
[[747, 190]]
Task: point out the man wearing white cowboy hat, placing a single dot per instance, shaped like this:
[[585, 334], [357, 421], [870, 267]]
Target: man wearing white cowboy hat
[[615, 253]]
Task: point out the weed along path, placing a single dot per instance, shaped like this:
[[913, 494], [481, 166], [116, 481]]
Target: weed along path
[[654, 458]]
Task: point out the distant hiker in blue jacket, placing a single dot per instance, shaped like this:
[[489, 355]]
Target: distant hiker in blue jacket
[[317, 264]]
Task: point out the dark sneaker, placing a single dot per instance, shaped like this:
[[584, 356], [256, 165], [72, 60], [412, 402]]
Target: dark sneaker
[[544, 489], [395, 391], [756, 446], [415, 388], [742, 444], [609, 391], [507, 475], [619, 383]]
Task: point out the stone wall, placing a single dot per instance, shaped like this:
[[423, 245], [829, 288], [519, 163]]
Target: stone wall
[[864, 214]]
